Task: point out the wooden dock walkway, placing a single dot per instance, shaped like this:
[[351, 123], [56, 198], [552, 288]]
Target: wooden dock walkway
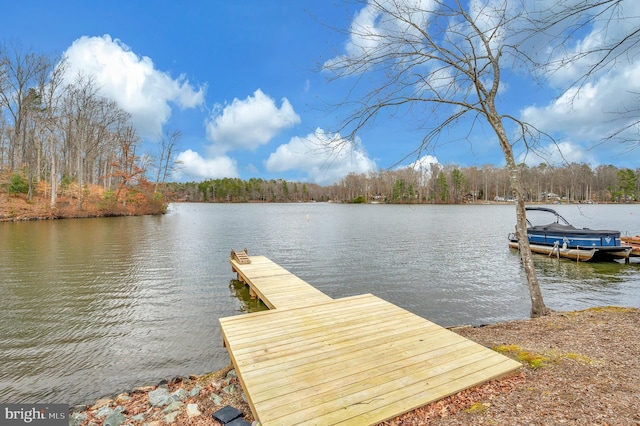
[[357, 360], [274, 285]]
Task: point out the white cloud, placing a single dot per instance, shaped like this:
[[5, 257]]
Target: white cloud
[[424, 163], [132, 82], [608, 25], [559, 155], [593, 112], [193, 166], [324, 158], [603, 104], [372, 29], [249, 123]]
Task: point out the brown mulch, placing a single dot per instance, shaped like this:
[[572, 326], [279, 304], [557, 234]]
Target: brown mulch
[[579, 368]]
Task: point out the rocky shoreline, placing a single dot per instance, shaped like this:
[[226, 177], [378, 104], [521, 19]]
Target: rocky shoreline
[[193, 400]]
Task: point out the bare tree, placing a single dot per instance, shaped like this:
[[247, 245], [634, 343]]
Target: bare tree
[[612, 41], [92, 125], [80, 113], [166, 161], [447, 60], [127, 168], [52, 90], [57, 131], [22, 72], [560, 21]]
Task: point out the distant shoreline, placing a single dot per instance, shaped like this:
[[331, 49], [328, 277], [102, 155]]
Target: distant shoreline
[[18, 209]]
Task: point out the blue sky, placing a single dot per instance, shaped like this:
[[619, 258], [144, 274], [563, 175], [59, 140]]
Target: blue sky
[[240, 80]]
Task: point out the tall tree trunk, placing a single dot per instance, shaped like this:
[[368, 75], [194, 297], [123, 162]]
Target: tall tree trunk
[[538, 308], [80, 179], [53, 178]]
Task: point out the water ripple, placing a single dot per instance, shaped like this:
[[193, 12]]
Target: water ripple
[[93, 307]]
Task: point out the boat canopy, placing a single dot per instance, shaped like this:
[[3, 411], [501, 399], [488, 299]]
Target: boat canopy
[[562, 225], [559, 218]]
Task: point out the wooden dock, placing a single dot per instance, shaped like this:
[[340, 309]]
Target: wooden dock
[[275, 286], [357, 360]]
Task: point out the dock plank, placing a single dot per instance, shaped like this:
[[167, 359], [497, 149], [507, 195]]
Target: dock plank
[[276, 286], [356, 360]]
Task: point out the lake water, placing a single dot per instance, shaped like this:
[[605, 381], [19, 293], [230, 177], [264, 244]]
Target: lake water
[[91, 307]]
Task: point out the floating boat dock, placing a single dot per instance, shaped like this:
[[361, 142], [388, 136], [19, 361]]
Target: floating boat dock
[[634, 243], [358, 360]]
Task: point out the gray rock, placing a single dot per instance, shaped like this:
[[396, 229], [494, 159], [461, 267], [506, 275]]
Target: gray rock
[[77, 419], [115, 419], [175, 405], [232, 374], [104, 412], [137, 417], [195, 391], [180, 395], [230, 389], [160, 397], [170, 418], [192, 410], [217, 399]]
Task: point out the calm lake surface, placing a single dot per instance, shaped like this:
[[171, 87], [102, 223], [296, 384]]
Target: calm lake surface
[[92, 307]]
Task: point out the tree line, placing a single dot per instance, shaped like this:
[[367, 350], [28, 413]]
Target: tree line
[[439, 184], [60, 137]]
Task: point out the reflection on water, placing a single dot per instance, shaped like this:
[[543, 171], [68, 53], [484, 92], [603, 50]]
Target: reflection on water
[[571, 284], [97, 306], [552, 269], [249, 304], [581, 272]]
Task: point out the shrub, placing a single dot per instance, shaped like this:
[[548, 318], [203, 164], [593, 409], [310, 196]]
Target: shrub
[[18, 184], [66, 181], [109, 200]]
